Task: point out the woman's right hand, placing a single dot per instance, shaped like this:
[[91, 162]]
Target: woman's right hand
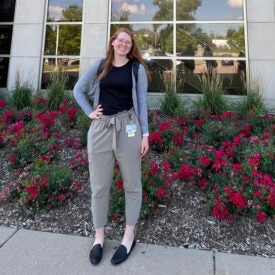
[[97, 113]]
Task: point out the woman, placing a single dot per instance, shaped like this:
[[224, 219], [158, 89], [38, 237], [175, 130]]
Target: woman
[[119, 130]]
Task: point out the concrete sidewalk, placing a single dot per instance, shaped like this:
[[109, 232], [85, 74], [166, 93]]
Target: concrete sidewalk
[[33, 252]]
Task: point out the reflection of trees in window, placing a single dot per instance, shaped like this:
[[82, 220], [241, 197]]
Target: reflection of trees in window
[[236, 38], [186, 9], [121, 16], [70, 37], [165, 11], [198, 24], [62, 45], [63, 40], [71, 14], [187, 39]]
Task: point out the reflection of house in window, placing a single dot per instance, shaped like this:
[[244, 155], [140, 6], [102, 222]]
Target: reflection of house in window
[[220, 43]]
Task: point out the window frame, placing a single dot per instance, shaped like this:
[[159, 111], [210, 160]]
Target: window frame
[[174, 22], [11, 24], [58, 23]]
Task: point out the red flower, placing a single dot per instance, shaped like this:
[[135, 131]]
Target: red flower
[[114, 217], [237, 168], [220, 211], [156, 138], [164, 126], [166, 165], [2, 104], [219, 154], [185, 172], [153, 169], [237, 140], [237, 199], [199, 122], [8, 115], [204, 161], [261, 217], [203, 183], [254, 160], [271, 199], [33, 191], [161, 192], [119, 185], [62, 197], [178, 139], [72, 113], [218, 164], [267, 134]]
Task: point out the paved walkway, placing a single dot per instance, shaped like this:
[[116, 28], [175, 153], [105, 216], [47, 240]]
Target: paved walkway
[[34, 252]]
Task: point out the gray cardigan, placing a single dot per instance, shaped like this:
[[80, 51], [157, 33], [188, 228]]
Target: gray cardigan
[[88, 87]]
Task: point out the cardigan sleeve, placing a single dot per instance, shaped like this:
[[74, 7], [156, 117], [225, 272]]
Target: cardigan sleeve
[[86, 88]]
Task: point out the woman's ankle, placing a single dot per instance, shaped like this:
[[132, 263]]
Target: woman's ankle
[[99, 236]]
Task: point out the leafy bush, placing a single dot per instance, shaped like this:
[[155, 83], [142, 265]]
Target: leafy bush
[[156, 179], [231, 161], [44, 186]]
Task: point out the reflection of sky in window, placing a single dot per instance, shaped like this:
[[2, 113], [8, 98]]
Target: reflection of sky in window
[[220, 10], [144, 10], [140, 10], [56, 6]]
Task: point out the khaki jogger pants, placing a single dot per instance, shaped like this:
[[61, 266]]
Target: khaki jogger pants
[[108, 140]]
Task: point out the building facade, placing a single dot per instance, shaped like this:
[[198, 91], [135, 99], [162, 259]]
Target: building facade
[[180, 40]]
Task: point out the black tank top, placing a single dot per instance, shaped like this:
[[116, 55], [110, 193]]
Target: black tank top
[[116, 90]]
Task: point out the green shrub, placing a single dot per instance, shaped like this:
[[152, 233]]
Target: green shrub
[[56, 89], [44, 185], [212, 93], [253, 102], [21, 95], [156, 180], [171, 104]]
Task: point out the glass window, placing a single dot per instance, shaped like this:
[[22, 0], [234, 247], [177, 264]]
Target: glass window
[[231, 73], [142, 10], [209, 10], [222, 38], [7, 10], [5, 39], [195, 36], [65, 10], [62, 40], [69, 65], [4, 65]]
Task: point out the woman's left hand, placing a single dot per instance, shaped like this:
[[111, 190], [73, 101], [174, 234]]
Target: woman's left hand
[[144, 146]]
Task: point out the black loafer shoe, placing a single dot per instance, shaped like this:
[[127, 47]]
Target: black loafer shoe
[[121, 254], [96, 254]]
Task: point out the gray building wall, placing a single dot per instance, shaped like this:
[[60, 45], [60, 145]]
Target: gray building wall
[[28, 39], [261, 45]]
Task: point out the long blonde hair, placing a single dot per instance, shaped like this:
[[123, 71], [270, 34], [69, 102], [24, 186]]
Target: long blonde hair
[[134, 53]]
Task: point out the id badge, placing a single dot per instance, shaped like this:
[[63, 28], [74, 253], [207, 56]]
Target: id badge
[[131, 130]]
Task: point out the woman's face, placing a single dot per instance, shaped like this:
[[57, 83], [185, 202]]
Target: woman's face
[[122, 44]]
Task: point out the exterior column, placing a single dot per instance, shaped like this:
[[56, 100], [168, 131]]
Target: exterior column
[[27, 43]]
